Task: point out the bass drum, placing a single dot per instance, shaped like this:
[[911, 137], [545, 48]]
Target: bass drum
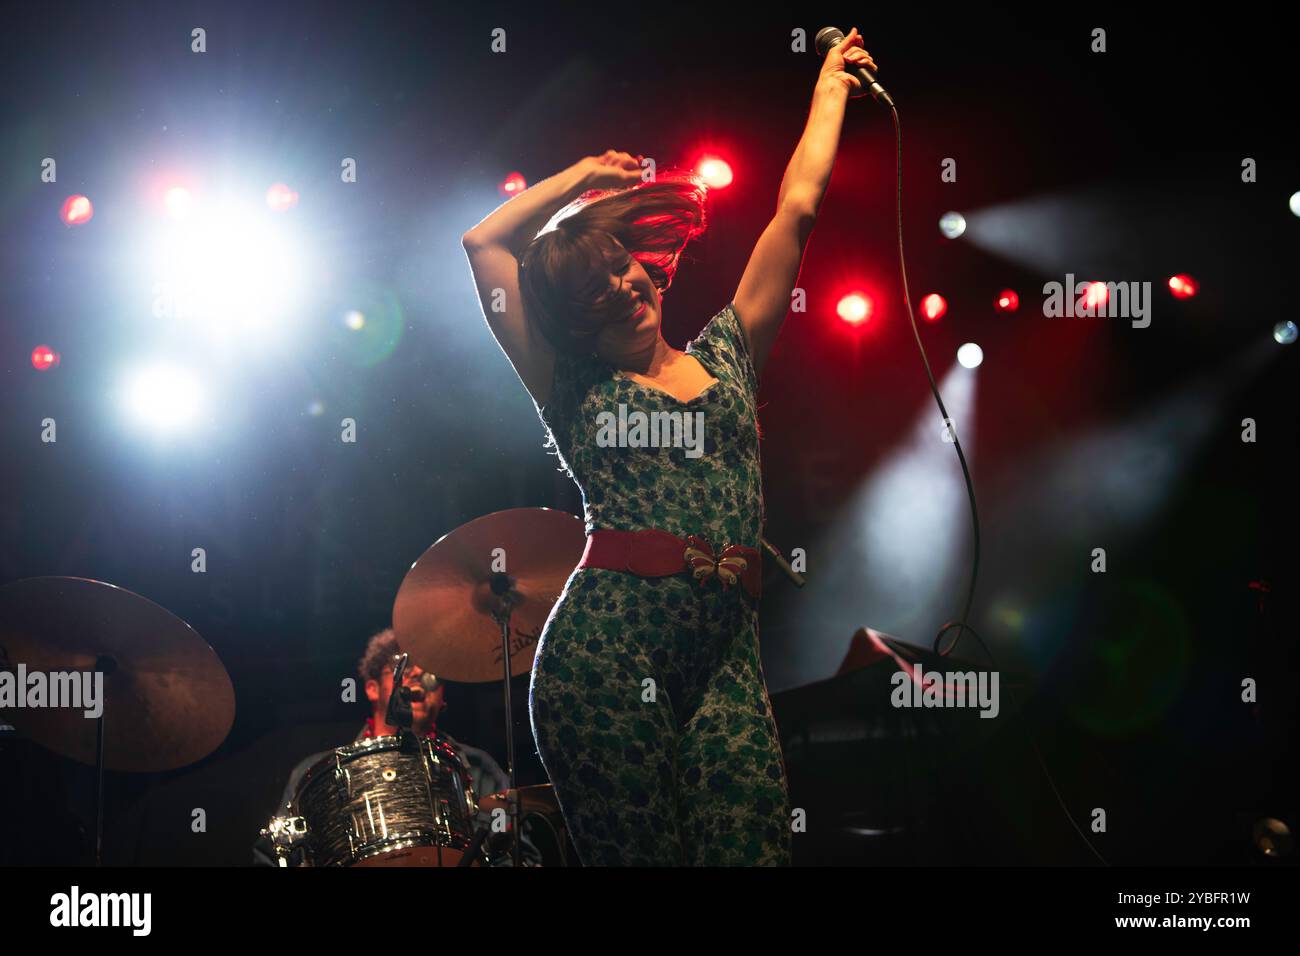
[[386, 801]]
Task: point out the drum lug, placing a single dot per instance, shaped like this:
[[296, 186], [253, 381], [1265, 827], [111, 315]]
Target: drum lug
[[287, 834]]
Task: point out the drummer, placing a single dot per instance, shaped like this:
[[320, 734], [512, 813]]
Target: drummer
[[376, 672]]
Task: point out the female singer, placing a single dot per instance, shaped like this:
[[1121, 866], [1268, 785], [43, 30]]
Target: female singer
[[648, 702]]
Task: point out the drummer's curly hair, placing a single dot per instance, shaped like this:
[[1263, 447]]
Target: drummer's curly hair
[[380, 651], [564, 272]]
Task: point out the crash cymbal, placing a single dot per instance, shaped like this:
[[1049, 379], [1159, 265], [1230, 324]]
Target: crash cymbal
[[167, 700], [443, 615]]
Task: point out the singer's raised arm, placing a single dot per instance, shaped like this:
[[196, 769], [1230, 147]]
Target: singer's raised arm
[[495, 245], [763, 297]]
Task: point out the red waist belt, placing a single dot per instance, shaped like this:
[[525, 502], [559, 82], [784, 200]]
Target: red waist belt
[[658, 554]]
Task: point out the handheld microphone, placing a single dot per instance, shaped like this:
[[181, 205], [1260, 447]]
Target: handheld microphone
[[827, 37]]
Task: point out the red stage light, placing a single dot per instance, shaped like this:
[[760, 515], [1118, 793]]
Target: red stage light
[[1183, 286], [76, 210], [44, 357], [715, 172], [513, 184], [855, 308], [933, 307], [280, 197], [1095, 294], [1007, 301]]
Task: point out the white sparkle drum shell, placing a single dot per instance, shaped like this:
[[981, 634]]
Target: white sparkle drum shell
[[382, 802]]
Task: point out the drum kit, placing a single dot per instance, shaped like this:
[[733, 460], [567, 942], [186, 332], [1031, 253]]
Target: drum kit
[[471, 609]]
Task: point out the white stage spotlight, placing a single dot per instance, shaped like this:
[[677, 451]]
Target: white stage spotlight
[[234, 272], [970, 355], [163, 397], [178, 202]]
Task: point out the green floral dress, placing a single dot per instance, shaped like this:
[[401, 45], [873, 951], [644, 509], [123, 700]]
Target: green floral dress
[[648, 702]]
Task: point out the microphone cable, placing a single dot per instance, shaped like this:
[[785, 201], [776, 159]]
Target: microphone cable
[[961, 624]]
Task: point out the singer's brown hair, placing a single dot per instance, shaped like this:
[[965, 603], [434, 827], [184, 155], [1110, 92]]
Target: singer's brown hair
[[564, 272], [380, 651]]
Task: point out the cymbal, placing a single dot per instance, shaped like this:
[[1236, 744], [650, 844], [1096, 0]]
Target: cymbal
[[166, 697], [538, 798], [443, 615]]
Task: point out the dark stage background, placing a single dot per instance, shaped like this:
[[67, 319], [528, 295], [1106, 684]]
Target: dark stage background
[[1082, 433]]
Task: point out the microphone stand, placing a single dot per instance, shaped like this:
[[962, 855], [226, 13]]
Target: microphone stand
[[107, 665], [783, 564], [399, 713]]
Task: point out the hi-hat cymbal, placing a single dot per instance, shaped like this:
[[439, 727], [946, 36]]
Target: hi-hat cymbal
[[443, 616], [538, 798], [167, 699]]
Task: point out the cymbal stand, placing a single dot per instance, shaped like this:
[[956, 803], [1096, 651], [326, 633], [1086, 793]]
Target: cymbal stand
[[507, 599], [107, 665]]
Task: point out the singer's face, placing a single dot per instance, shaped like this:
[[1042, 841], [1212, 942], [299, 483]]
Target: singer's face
[[637, 305], [425, 705]]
